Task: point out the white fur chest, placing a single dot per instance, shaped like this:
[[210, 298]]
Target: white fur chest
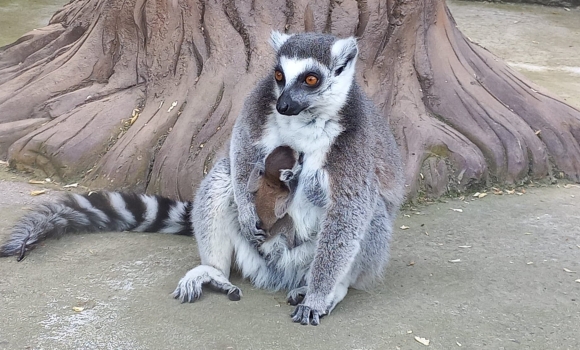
[[313, 137], [308, 134]]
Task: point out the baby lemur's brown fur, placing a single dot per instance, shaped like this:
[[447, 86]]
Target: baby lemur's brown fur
[[274, 183]]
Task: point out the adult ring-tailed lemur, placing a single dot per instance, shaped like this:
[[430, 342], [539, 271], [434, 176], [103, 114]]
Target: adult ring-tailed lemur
[[349, 189]]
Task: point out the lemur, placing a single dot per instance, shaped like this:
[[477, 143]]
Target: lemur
[[274, 183], [349, 190]]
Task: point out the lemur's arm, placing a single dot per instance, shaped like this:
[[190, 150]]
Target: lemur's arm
[[352, 195], [244, 157]]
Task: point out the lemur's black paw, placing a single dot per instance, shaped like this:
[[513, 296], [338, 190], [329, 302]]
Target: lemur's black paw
[[296, 295], [257, 240], [256, 237], [306, 315], [286, 175], [235, 294]]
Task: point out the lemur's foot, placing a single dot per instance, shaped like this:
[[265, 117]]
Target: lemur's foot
[[189, 289]]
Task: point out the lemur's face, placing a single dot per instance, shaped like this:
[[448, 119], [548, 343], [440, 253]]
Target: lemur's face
[[314, 72]]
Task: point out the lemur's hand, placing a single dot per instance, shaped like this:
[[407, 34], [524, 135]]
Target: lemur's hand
[[287, 175], [249, 226], [312, 308]]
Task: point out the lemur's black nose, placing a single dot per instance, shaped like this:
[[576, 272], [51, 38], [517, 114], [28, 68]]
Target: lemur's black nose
[[289, 106], [282, 107]]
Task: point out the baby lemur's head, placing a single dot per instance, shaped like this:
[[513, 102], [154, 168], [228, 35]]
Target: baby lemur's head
[[282, 157]]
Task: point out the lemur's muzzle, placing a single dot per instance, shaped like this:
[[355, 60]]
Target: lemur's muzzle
[[290, 103]]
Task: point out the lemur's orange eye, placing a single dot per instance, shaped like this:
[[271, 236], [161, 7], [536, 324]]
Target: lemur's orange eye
[[311, 80], [278, 75]]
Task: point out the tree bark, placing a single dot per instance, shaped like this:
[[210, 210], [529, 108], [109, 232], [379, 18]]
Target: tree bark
[[142, 94], [563, 3]]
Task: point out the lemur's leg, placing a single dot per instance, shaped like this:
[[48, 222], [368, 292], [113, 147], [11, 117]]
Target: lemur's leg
[[373, 256], [365, 271], [214, 220]]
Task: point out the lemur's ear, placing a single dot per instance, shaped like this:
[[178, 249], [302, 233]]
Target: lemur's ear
[[344, 52], [278, 39], [254, 179]]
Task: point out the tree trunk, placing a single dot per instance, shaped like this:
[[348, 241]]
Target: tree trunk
[[142, 94], [565, 3]]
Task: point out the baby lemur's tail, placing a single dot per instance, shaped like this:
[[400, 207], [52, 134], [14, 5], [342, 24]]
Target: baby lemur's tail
[[98, 211]]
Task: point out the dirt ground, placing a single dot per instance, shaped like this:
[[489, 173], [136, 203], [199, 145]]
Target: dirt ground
[[499, 274]]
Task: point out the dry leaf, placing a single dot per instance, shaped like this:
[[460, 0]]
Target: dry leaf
[[78, 308], [404, 227], [457, 210], [481, 195], [476, 194], [569, 271], [411, 263], [134, 116], [455, 261], [37, 193], [511, 191], [36, 182], [422, 340], [172, 106], [71, 185]]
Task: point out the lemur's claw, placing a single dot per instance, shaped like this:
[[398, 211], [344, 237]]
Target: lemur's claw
[[305, 315]]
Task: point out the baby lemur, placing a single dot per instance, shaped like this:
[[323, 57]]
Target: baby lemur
[[274, 183]]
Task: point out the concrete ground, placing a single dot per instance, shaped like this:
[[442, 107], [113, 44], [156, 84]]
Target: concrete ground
[[495, 275], [499, 274]]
